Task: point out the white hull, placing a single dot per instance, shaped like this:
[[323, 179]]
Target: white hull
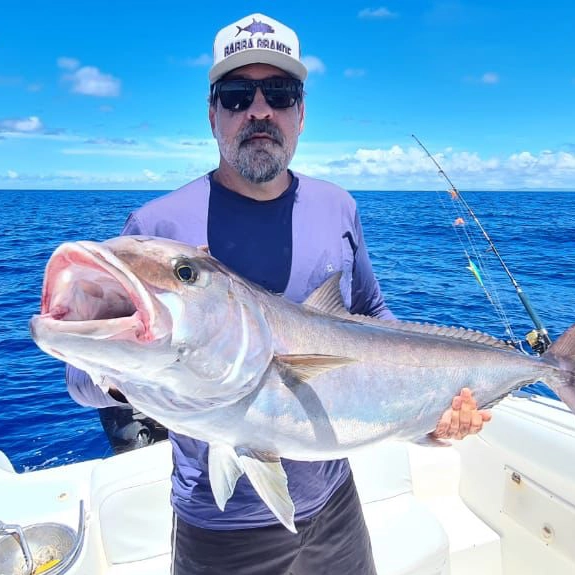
[[502, 503]]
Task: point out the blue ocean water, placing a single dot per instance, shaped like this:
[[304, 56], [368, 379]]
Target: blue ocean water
[[416, 253]]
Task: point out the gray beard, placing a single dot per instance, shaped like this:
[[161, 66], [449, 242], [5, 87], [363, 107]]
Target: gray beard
[[261, 165], [259, 161]]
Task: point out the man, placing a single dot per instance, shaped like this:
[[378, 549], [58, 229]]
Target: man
[[288, 233]]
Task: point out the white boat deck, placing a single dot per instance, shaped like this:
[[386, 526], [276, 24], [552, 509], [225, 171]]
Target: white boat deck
[[502, 503]]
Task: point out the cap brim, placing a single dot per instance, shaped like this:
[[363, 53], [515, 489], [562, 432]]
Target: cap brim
[[282, 61]]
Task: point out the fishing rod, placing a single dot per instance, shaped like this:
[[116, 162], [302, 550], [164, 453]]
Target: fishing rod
[[538, 339]]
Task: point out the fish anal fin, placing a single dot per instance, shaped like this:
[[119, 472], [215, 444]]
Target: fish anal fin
[[269, 479], [224, 468], [305, 367]]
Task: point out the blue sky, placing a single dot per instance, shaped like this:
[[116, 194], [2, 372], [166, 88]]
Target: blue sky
[[112, 94]]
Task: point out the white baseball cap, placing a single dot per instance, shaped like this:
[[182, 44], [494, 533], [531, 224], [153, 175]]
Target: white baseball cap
[[256, 39]]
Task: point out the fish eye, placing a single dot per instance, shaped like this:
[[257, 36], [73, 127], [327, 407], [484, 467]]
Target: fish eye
[[186, 271]]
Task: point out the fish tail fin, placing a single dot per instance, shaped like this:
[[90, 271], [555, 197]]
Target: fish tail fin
[[239, 30], [562, 354]]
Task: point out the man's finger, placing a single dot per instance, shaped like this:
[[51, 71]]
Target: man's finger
[[442, 428], [476, 423], [456, 402], [486, 415], [466, 414], [454, 426], [468, 398]]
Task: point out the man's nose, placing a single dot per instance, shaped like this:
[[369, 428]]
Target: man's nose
[[260, 109]]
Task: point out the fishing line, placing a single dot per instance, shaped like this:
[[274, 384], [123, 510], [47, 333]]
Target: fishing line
[[485, 280], [538, 338]]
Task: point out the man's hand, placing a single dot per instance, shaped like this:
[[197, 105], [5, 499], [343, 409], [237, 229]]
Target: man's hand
[[463, 418]]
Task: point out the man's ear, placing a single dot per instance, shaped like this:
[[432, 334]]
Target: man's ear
[[212, 117]]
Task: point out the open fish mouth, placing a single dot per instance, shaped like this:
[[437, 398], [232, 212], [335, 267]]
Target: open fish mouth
[[88, 291]]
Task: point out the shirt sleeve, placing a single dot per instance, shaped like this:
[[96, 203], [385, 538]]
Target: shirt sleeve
[[83, 391], [80, 386], [366, 296], [132, 227]]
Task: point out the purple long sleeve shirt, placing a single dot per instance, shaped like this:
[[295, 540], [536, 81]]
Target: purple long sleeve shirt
[[290, 245]]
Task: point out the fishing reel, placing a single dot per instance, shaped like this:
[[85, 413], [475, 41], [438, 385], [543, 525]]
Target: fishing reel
[[538, 340]]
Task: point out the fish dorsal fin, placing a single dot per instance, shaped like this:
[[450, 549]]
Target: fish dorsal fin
[[327, 297], [306, 367], [438, 330], [269, 479]]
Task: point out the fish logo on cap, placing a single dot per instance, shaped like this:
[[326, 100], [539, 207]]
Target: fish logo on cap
[[256, 27]]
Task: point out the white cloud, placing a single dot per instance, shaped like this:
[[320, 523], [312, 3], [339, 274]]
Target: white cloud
[[107, 180], [80, 179], [56, 135], [354, 165], [565, 160], [490, 78], [486, 78], [409, 168], [186, 143], [523, 160], [313, 64], [26, 125], [202, 60], [68, 63], [376, 13], [12, 174], [152, 176], [354, 72], [89, 80], [111, 141], [160, 148]]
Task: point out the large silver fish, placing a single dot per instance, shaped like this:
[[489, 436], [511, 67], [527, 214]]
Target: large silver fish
[[209, 354]]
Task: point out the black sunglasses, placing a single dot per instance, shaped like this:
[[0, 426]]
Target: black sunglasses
[[237, 94]]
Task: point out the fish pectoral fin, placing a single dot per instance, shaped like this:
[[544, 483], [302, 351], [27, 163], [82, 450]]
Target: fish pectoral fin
[[224, 468], [306, 367], [269, 479]]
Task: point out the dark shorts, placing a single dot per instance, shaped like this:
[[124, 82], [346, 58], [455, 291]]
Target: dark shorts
[[334, 542]]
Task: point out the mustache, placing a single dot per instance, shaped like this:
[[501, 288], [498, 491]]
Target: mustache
[[261, 127]]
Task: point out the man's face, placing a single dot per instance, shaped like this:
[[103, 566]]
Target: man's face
[[259, 142]]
